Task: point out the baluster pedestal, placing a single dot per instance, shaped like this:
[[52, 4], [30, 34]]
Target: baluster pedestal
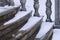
[[23, 2]]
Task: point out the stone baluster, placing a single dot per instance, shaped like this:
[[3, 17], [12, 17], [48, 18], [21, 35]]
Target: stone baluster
[[10, 2], [36, 7], [3, 2], [23, 2], [48, 10]]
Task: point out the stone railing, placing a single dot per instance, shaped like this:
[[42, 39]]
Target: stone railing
[[36, 13], [28, 32], [8, 29], [7, 14]]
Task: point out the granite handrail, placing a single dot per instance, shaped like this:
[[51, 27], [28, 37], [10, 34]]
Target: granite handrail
[[16, 24], [8, 14], [45, 34], [30, 31]]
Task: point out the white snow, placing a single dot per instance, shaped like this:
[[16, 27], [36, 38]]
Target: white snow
[[31, 22], [56, 34], [45, 27], [2, 10], [5, 9], [17, 17]]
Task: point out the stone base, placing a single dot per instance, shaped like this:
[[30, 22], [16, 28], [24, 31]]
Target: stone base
[[36, 14], [23, 9], [48, 20], [57, 26]]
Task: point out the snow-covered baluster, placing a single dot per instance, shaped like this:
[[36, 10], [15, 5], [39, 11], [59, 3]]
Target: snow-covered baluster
[[36, 7], [48, 10], [23, 2]]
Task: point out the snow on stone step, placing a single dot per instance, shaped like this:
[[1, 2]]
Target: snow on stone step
[[9, 7], [56, 34], [45, 27], [31, 22], [18, 16], [42, 7]]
